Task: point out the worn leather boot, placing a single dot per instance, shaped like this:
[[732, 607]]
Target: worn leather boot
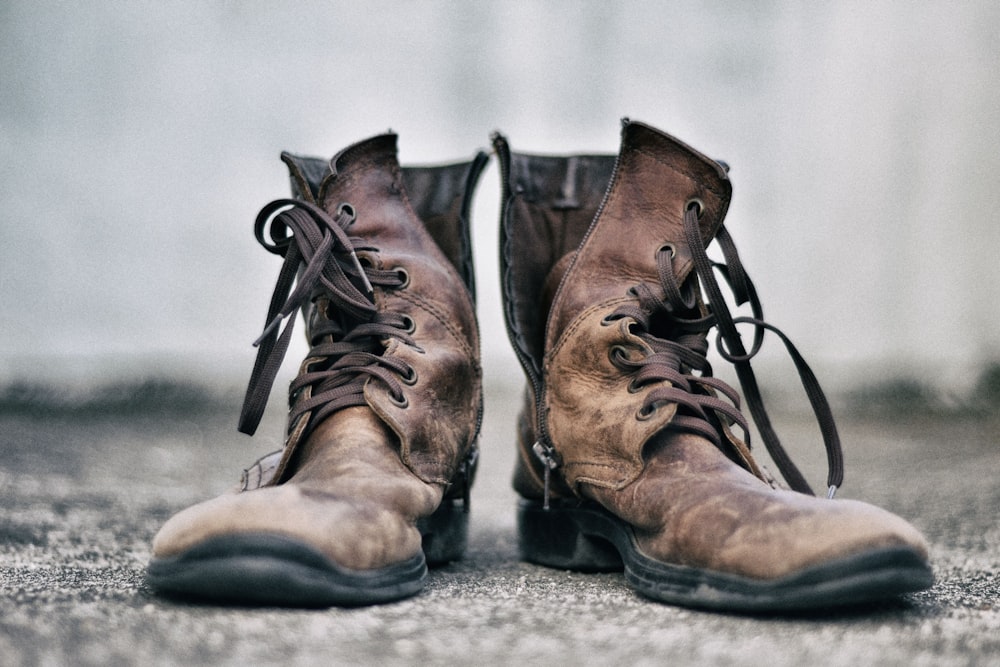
[[372, 482], [631, 454]]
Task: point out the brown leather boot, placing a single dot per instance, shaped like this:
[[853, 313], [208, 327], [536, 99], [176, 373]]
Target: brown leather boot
[[628, 455], [373, 480]]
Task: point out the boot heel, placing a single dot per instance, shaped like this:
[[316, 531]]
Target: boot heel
[[557, 537], [445, 532]]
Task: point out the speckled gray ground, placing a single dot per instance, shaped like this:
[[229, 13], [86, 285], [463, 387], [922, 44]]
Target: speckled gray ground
[[81, 495]]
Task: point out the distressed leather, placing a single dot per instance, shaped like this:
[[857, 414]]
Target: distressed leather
[[691, 505], [564, 271], [356, 485], [350, 497], [587, 397]]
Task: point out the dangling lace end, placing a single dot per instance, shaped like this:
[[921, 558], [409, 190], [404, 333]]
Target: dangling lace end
[[831, 492], [271, 326], [361, 272], [546, 456]]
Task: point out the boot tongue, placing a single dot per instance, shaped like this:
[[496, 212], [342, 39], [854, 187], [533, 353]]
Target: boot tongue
[[307, 173]]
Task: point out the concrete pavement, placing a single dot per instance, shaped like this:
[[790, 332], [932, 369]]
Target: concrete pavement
[[83, 491]]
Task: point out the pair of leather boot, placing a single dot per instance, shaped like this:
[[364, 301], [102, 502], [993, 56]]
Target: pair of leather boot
[[632, 455]]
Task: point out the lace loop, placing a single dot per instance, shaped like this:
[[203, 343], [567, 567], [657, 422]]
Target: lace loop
[[349, 334], [677, 370]]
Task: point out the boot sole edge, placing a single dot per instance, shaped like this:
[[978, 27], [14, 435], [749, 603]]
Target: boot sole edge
[[265, 569], [588, 538], [271, 569]]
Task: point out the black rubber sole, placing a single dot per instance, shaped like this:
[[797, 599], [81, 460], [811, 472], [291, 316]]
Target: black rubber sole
[[589, 538], [269, 569]]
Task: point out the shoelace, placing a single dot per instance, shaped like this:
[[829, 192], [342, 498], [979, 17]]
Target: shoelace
[[679, 344], [349, 337]]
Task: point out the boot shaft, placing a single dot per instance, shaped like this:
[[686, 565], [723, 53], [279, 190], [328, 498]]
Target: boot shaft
[[656, 178], [547, 205], [550, 204], [440, 195], [605, 308]]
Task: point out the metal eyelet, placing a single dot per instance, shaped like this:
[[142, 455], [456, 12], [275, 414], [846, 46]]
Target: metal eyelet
[[667, 247], [646, 412], [696, 202], [404, 277], [609, 320], [400, 401], [618, 356], [633, 388], [410, 378], [409, 324], [346, 209]]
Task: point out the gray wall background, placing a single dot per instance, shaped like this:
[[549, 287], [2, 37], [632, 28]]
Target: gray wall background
[[140, 139]]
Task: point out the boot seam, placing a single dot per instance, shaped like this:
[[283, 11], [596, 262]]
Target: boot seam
[[617, 485], [440, 316], [578, 322]]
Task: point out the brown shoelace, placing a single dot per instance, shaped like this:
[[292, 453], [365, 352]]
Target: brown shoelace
[[349, 336], [670, 324]]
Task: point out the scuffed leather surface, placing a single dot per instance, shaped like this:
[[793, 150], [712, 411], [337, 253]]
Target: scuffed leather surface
[[591, 412], [692, 506], [643, 210], [548, 204], [441, 196], [351, 498]]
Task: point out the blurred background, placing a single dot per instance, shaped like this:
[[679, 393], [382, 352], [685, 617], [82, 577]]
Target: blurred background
[[141, 138]]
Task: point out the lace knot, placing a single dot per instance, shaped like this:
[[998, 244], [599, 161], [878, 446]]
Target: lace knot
[[321, 266]]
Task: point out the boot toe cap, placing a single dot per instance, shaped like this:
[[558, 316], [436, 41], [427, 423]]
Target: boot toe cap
[[350, 533]]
